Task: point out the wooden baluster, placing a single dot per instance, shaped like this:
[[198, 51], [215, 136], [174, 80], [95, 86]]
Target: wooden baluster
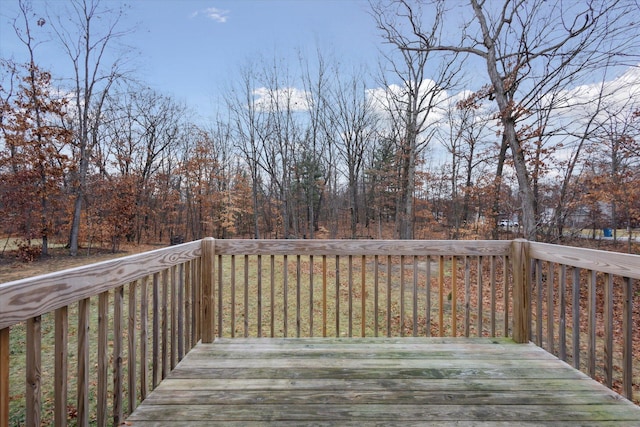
[[164, 340], [82, 393], [324, 295], [198, 303], [311, 295], [285, 292], [103, 359], [259, 315], [193, 304], [505, 294], [415, 296], [155, 325], [376, 295], [33, 397], [551, 267], [575, 309], [402, 280], [198, 298], [480, 296], [350, 296], [61, 366], [273, 296], [562, 324], [608, 330], [144, 338], [539, 320], [118, 303], [467, 297], [363, 296], [428, 298], [4, 377], [181, 304], [246, 296], [388, 295], [188, 307], [196, 292], [627, 338], [173, 356], [440, 296], [298, 300], [233, 296], [220, 285], [492, 274], [337, 302], [454, 296], [131, 349], [591, 324]]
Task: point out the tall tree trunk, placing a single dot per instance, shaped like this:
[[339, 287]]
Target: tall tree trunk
[[497, 186], [527, 198], [353, 195], [407, 225], [74, 233]]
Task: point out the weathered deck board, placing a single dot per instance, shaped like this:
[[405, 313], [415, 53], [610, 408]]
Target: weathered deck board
[[378, 381]]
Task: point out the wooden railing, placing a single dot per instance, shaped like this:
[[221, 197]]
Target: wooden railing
[[583, 304], [130, 320], [294, 288], [136, 317]]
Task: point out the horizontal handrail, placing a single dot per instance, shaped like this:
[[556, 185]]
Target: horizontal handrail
[[362, 247], [620, 264], [34, 296]]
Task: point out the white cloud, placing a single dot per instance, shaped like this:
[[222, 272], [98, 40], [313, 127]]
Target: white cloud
[[213, 13], [283, 99], [577, 108]]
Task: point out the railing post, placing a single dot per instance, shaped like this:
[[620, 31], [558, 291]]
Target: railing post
[[207, 306], [520, 263]]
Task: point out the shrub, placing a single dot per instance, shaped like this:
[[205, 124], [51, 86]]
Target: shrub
[[26, 252]]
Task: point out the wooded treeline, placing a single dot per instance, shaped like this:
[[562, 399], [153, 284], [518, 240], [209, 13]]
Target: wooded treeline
[[546, 136]]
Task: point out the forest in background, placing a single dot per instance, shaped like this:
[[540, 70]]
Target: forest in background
[[545, 146]]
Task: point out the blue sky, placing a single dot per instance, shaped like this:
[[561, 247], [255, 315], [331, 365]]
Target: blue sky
[[192, 49]]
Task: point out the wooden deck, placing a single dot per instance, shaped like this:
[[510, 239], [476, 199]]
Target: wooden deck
[[378, 381]]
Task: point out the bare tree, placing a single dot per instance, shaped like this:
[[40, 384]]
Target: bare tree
[[618, 152], [318, 142], [569, 141], [353, 121], [250, 131], [265, 109], [38, 110], [463, 131], [282, 103], [527, 47], [141, 127], [87, 33], [426, 77]]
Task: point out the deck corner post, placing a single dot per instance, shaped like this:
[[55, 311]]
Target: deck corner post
[[207, 307], [521, 290]]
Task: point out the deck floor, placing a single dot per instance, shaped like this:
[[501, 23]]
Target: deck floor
[[378, 381]]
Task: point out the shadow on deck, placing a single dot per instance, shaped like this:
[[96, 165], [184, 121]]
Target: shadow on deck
[[378, 381]]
